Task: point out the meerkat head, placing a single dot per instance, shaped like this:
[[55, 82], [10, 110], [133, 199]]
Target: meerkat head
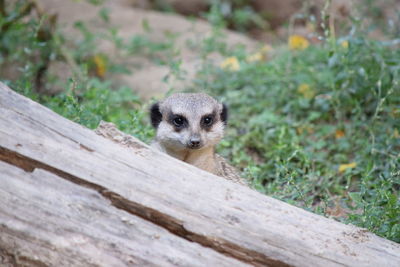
[[187, 121]]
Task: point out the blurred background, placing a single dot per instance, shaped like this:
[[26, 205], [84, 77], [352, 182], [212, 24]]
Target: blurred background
[[268, 20]]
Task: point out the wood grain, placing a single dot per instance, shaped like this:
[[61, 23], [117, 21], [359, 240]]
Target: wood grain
[[228, 218], [46, 220]]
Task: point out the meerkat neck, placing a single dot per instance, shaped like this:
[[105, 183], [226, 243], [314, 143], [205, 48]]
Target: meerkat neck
[[203, 158]]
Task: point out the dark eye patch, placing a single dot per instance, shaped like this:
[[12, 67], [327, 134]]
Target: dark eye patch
[[178, 121], [224, 114], [155, 115], [207, 121]]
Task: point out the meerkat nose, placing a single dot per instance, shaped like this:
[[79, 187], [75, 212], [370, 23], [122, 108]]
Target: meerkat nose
[[194, 142]]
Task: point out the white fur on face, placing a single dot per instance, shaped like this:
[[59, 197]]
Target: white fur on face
[[169, 138], [193, 107], [214, 135]]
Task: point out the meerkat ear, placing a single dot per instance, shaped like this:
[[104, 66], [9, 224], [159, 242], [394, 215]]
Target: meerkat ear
[[224, 114], [155, 115]]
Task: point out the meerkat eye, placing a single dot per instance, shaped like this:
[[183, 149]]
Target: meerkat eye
[[208, 120], [178, 121]]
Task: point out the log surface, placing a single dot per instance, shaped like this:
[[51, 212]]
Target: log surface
[[225, 222], [45, 220]]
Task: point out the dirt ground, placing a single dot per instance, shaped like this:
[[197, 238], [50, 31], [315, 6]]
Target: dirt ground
[[138, 17], [147, 78]]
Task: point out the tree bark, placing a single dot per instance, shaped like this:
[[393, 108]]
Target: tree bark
[[71, 197]]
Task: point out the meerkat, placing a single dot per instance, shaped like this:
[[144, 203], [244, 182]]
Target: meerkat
[[188, 127]]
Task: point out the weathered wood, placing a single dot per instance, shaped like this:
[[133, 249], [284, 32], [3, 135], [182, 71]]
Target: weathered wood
[[45, 220], [190, 203]]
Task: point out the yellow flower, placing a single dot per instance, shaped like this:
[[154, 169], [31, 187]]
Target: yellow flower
[[306, 91], [231, 63], [100, 64], [262, 54], [255, 57], [339, 134], [345, 44], [297, 42], [344, 167]]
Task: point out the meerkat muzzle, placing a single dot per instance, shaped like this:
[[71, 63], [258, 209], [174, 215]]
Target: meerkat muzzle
[[194, 142]]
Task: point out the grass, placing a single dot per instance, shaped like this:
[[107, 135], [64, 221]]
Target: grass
[[299, 118], [315, 127]]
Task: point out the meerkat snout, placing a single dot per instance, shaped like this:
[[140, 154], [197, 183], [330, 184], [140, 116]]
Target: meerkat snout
[[194, 141]]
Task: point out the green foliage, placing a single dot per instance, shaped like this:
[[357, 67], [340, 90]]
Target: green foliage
[[236, 14], [287, 139], [94, 100], [26, 41], [87, 99]]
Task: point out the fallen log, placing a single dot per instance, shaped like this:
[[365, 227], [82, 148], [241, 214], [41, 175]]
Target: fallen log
[[66, 195], [48, 221]]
